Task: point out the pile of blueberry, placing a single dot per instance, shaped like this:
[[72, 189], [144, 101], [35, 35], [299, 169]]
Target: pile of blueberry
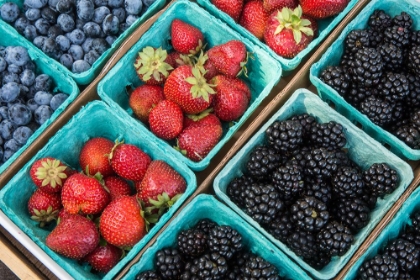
[[74, 32], [27, 99]]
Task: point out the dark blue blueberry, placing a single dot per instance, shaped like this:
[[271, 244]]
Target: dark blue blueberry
[[123, 27], [43, 97], [85, 9], [49, 14], [133, 7], [9, 12], [4, 112], [100, 45], [77, 36], [110, 39], [22, 134], [100, 13], [64, 6], [55, 31], [80, 66], [7, 154], [87, 45], [6, 129], [9, 92], [3, 64], [37, 4], [32, 105], [42, 25], [51, 48], [131, 19], [16, 101], [17, 55], [12, 145], [91, 57], [53, 3], [10, 77], [119, 13], [13, 68], [27, 77], [39, 41], [110, 25], [42, 114], [76, 52], [33, 125], [63, 43], [67, 60], [43, 82], [30, 32], [21, 23], [115, 3], [30, 66], [148, 3], [20, 114], [100, 3], [66, 22], [33, 14], [31, 93], [92, 29], [24, 91], [80, 23], [2, 51], [57, 100]]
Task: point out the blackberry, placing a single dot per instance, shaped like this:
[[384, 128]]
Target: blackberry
[[303, 244], [398, 36], [342, 156], [415, 37], [318, 188], [399, 114], [379, 20], [335, 239], [405, 252], [345, 61], [288, 180], [262, 161], [403, 20], [356, 39], [379, 267], [347, 182], [381, 179], [376, 37], [236, 265], [148, 275], [281, 227], [236, 189], [369, 198], [411, 235], [205, 225], [309, 214], [192, 242], [357, 94], [321, 163], [169, 263], [393, 87], [258, 268], [410, 135], [392, 57], [405, 276], [262, 202], [306, 121], [225, 241], [366, 67], [285, 136], [415, 118], [208, 266], [353, 213], [298, 157], [414, 60], [415, 220], [320, 260], [377, 110], [337, 78], [328, 135]]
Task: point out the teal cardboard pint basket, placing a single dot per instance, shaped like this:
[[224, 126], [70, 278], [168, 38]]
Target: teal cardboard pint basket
[[94, 120], [207, 207], [325, 27], [62, 83], [362, 149], [263, 72], [333, 55]]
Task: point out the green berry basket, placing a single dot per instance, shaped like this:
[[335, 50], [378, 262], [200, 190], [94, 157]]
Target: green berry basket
[[333, 55], [325, 27], [263, 72], [207, 207], [94, 120], [362, 149], [62, 83], [88, 76]]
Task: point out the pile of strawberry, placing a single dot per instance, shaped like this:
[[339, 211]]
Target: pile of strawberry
[[188, 92], [286, 26], [100, 216]]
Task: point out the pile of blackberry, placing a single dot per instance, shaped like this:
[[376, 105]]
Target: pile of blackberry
[[379, 74], [302, 187], [209, 251], [399, 258]]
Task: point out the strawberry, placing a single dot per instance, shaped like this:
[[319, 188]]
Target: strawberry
[[187, 87], [121, 223], [205, 117], [129, 161], [287, 33], [254, 18], [104, 257], [205, 66], [117, 186], [185, 38], [319, 9], [84, 194], [229, 58], [74, 237], [152, 66], [166, 119], [231, 7], [176, 59], [44, 207], [49, 174], [271, 5], [143, 99], [93, 156]]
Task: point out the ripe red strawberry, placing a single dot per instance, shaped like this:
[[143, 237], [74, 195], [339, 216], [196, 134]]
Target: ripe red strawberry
[[205, 117], [205, 66], [152, 66], [320, 9], [143, 99], [44, 207], [49, 174], [229, 58], [166, 119], [83, 194], [187, 87], [121, 223], [129, 161], [117, 186], [254, 18], [93, 156], [231, 7], [286, 33], [271, 5], [104, 257], [74, 237], [176, 59], [186, 38]]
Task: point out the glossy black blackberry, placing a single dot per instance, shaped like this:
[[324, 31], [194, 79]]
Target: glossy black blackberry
[[298, 156], [415, 221], [398, 36], [236, 189], [357, 94], [309, 214], [356, 39], [169, 263], [392, 57], [320, 260], [192, 242], [405, 252], [415, 118], [352, 212], [208, 266], [337, 78], [410, 135], [369, 198], [258, 268], [393, 87], [282, 226], [415, 37], [367, 67], [411, 235], [405, 276], [318, 188], [321, 163], [148, 275], [303, 243], [262, 161], [225, 241], [378, 268], [285, 136], [347, 182], [343, 158], [379, 20], [288, 180], [381, 179], [394, 126], [190, 271], [376, 37], [399, 113], [335, 239], [262, 202], [346, 60], [403, 20], [205, 225], [379, 111], [414, 60], [328, 135], [306, 121], [237, 264]]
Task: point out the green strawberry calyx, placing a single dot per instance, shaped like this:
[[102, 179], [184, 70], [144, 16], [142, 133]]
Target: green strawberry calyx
[[150, 63], [45, 216], [200, 87], [51, 172], [201, 115], [161, 204], [291, 19]]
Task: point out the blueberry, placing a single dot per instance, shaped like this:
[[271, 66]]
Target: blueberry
[[110, 25], [20, 114], [9, 92], [123, 27], [119, 13], [76, 36], [3, 64], [66, 22], [100, 13], [33, 14], [64, 6], [133, 7], [32, 105], [43, 82], [80, 66], [110, 39], [24, 91], [12, 145], [76, 52], [21, 23], [42, 25], [31, 93], [27, 77], [9, 12], [30, 65], [49, 14], [16, 101], [67, 60], [17, 55], [39, 41], [22, 134], [148, 3], [37, 4], [100, 45], [57, 100], [33, 125], [30, 32], [53, 4], [4, 112], [7, 154], [100, 3], [115, 3], [91, 57], [55, 31], [63, 43], [2, 51], [6, 129], [43, 97], [131, 19], [80, 23], [87, 45], [85, 9], [42, 114], [92, 29], [51, 48], [10, 77], [13, 68]]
